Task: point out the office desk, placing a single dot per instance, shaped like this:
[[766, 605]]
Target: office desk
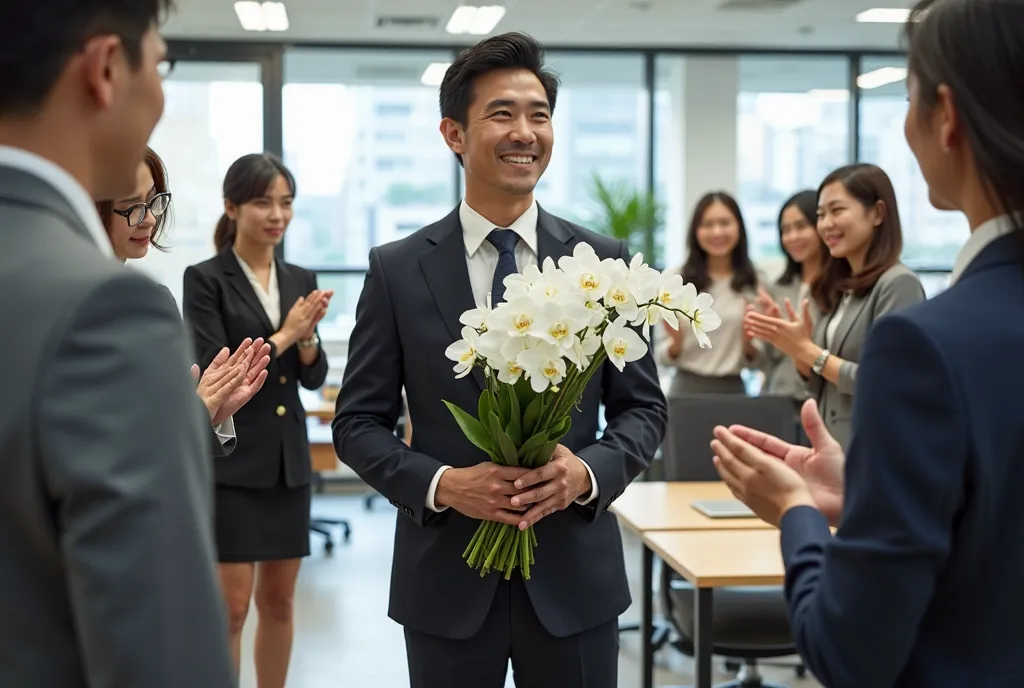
[[714, 559], [646, 508]]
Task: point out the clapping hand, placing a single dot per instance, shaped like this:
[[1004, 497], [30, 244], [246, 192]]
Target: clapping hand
[[307, 313], [231, 380], [788, 335], [771, 476]]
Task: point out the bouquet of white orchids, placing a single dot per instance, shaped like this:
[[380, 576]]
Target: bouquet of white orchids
[[540, 347]]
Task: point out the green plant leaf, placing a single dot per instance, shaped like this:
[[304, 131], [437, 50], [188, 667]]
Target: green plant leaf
[[484, 405], [503, 442], [524, 392], [532, 415], [514, 429], [541, 455], [472, 429], [560, 430], [532, 444]]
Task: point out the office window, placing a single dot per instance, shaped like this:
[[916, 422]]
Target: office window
[[600, 125], [793, 129], [931, 238], [361, 135], [669, 160], [213, 115], [355, 186]]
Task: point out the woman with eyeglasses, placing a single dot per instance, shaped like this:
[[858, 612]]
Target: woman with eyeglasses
[[136, 223]]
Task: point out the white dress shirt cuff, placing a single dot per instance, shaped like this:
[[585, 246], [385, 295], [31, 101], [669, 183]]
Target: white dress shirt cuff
[[593, 486], [433, 489], [226, 430]]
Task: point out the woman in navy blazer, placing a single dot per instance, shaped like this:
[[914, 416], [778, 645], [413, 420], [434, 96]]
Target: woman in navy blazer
[[263, 491], [921, 585]]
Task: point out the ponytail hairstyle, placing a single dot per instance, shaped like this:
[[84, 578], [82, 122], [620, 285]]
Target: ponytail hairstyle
[[247, 179]]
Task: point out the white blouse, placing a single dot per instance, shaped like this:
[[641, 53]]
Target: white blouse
[[269, 298]]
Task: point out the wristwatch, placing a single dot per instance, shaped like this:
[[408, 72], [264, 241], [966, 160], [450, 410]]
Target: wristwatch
[[820, 361], [310, 343]]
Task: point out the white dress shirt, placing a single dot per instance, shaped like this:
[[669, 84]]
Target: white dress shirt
[[269, 298], [982, 236], [85, 208], [482, 259]]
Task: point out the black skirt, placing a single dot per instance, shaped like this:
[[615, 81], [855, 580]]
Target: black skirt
[[262, 524]]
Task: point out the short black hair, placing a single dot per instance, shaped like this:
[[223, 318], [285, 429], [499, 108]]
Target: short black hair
[[513, 50], [38, 37], [974, 48]]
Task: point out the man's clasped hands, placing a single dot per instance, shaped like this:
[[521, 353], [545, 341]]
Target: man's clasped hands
[[517, 496]]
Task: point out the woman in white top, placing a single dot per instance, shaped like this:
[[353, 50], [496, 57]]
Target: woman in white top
[[862, 280], [717, 263]]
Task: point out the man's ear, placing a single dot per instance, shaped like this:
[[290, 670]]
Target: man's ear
[[101, 61], [454, 135]]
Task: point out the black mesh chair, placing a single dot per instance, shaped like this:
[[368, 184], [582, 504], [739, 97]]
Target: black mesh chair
[[748, 623]]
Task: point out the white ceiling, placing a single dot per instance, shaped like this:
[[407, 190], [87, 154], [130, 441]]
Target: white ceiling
[[777, 24]]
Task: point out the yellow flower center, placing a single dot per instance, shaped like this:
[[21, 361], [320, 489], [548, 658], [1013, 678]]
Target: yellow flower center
[[589, 281], [619, 348], [559, 331], [522, 322], [550, 371]]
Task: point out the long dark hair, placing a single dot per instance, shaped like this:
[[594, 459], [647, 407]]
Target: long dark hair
[[868, 184], [248, 178], [160, 185], [973, 47], [695, 269], [807, 203]]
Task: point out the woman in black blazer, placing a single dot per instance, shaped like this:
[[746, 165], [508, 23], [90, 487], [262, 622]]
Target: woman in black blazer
[[263, 490]]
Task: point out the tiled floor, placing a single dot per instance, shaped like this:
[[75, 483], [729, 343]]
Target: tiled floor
[[345, 639]]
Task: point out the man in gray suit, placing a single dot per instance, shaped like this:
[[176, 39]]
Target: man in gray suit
[[106, 574]]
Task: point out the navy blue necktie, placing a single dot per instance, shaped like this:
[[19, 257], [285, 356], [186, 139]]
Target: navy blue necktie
[[505, 240]]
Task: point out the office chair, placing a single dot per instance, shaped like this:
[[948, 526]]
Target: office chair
[[749, 623], [322, 526]]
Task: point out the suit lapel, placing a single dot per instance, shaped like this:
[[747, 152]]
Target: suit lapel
[[554, 239], [447, 274], [240, 283], [288, 287], [853, 310]]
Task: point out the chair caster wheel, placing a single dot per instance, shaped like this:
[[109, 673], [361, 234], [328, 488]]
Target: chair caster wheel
[[347, 534], [801, 671], [329, 546]]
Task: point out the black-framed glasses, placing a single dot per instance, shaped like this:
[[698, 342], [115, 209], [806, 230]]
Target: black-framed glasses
[[136, 213]]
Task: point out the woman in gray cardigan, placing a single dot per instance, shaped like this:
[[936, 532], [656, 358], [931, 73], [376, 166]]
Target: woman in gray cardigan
[[862, 280]]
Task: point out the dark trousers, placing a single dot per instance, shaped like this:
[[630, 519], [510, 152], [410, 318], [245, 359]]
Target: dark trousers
[[513, 631]]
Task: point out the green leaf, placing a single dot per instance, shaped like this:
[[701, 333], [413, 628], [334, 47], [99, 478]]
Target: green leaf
[[532, 415], [505, 394], [472, 429], [532, 444], [561, 430], [541, 455], [524, 392], [515, 422], [502, 442], [484, 405]]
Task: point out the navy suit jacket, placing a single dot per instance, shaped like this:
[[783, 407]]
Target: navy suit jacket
[[923, 584]]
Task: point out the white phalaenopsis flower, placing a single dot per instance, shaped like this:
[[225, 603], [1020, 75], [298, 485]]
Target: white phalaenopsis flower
[[519, 317], [562, 320], [583, 350], [704, 320], [585, 272], [543, 364], [622, 344], [476, 318], [671, 298], [619, 295], [464, 352]]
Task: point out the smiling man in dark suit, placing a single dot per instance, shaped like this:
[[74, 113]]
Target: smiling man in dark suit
[[560, 627]]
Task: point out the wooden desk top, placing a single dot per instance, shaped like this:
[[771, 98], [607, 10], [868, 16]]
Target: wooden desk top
[[645, 507], [713, 559], [324, 413]]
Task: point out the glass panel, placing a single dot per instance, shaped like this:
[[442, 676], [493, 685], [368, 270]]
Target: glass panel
[[930, 237], [669, 165], [340, 318], [601, 130], [361, 136], [793, 129], [213, 115]]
